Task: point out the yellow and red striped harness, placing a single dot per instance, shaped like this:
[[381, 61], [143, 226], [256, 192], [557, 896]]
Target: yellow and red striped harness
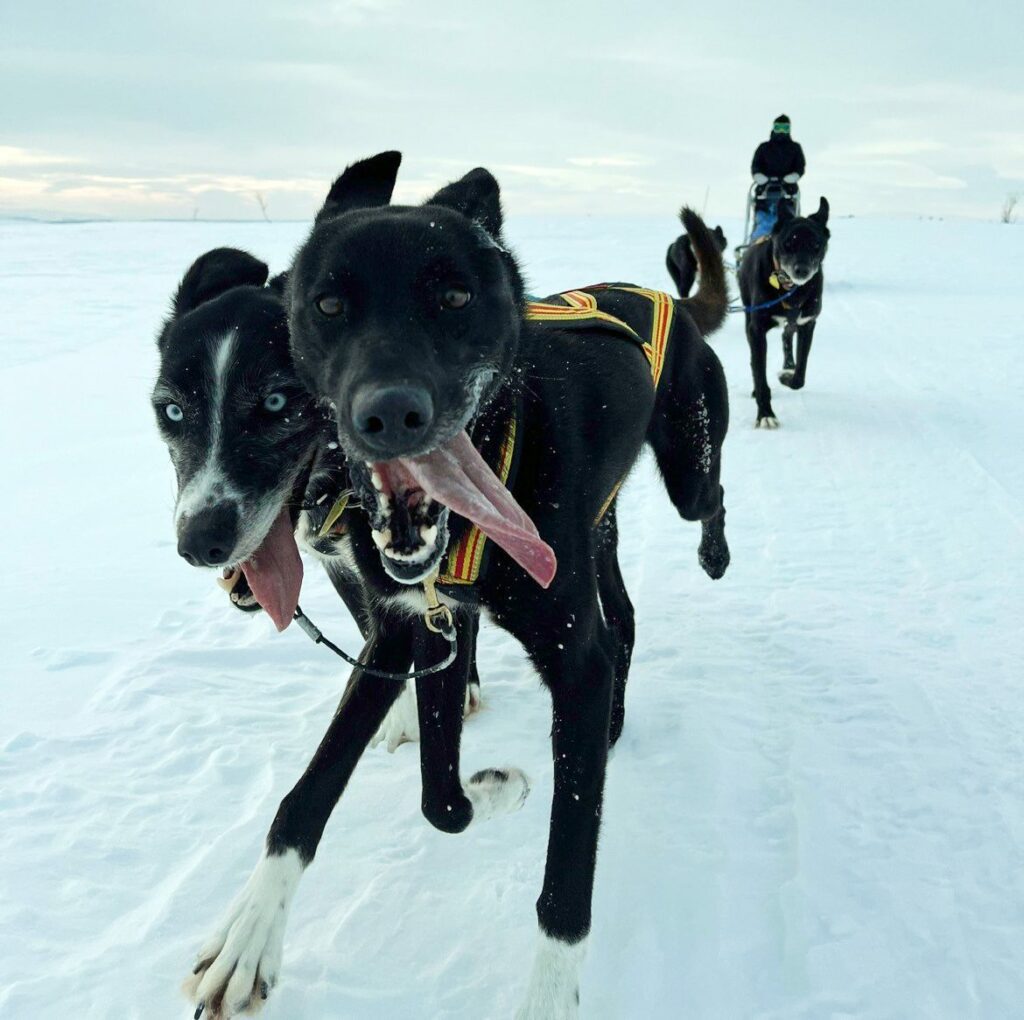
[[573, 309]]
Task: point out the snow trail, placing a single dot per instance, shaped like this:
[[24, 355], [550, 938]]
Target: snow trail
[[817, 805]]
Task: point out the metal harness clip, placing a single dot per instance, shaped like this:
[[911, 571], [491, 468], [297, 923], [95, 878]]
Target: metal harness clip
[[438, 617]]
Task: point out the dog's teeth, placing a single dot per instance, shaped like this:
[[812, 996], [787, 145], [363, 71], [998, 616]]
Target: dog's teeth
[[381, 538], [429, 535], [378, 482], [229, 580]]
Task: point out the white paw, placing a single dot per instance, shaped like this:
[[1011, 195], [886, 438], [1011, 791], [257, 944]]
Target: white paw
[[554, 992], [241, 963], [494, 792], [402, 723], [768, 422], [474, 701]]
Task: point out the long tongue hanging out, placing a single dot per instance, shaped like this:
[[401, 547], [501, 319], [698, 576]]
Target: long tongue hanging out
[[274, 572], [457, 476]]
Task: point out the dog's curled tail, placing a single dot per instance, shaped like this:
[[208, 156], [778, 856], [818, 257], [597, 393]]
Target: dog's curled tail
[[707, 306]]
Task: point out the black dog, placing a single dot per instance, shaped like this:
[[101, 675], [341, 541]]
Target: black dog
[[681, 262], [781, 284], [412, 324]]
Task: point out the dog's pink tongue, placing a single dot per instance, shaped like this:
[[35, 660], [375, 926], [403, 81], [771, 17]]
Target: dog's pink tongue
[[274, 572], [457, 476]]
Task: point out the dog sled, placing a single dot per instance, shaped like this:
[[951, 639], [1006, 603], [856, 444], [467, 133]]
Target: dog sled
[[772, 191]]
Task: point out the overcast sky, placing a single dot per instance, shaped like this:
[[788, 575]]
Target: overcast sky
[[138, 109]]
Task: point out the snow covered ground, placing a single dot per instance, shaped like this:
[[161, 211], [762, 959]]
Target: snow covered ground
[[817, 806]]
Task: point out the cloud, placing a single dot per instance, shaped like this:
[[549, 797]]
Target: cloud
[[611, 161], [14, 156]]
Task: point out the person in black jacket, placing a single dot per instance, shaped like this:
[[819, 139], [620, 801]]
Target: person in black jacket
[[777, 167]]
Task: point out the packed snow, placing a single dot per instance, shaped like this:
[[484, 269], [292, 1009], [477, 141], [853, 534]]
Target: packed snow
[[816, 809]]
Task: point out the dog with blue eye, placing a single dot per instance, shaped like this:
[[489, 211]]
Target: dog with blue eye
[[258, 472], [781, 284]]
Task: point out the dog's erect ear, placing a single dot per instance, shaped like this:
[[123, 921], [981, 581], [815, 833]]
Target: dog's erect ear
[[278, 283], [364, 185], [822, 214], [216, 272], [720, 238], [477, 196]]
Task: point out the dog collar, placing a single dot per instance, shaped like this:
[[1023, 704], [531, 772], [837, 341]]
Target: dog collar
[[779, 280]]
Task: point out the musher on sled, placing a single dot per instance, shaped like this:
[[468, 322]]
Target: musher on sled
[[777, 167]]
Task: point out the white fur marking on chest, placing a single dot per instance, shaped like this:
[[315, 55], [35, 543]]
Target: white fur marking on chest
[[412, 602]]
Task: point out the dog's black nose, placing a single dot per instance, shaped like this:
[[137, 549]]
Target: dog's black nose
[[392, 419], [208, 538]]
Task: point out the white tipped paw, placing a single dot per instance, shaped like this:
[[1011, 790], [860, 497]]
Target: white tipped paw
[[554, 993], [402, 723], [769, 421], [240, 964], [494, 792]]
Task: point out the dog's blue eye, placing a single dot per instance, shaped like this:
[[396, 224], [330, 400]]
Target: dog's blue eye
[[275, 402], [174, 412]]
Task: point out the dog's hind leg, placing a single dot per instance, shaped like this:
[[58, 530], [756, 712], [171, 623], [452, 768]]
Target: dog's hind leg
[[687, 433], [618, 615], [798, 376], [239, 965]]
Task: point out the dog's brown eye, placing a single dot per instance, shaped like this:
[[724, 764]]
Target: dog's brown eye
[[329, 305], [456, 297]]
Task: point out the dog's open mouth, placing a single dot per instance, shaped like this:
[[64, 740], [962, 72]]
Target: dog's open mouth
[[414, 494], [273, 571]]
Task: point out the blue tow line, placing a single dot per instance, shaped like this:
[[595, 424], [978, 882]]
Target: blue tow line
[[765, 304]]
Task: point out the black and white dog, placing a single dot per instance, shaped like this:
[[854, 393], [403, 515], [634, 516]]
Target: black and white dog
[[681, 262], [781, 284], [412, 325], [254, 456]]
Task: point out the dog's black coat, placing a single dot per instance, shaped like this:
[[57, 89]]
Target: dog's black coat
[[681, 262], [586, 407], [796, 249]]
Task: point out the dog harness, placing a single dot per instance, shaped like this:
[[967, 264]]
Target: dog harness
[[573, 310]]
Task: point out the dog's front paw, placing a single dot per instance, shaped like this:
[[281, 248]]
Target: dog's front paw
[[788, 377], [474, 700], [554, 992], [240, 964], [766, 421], [494, 792], [402, 723]]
